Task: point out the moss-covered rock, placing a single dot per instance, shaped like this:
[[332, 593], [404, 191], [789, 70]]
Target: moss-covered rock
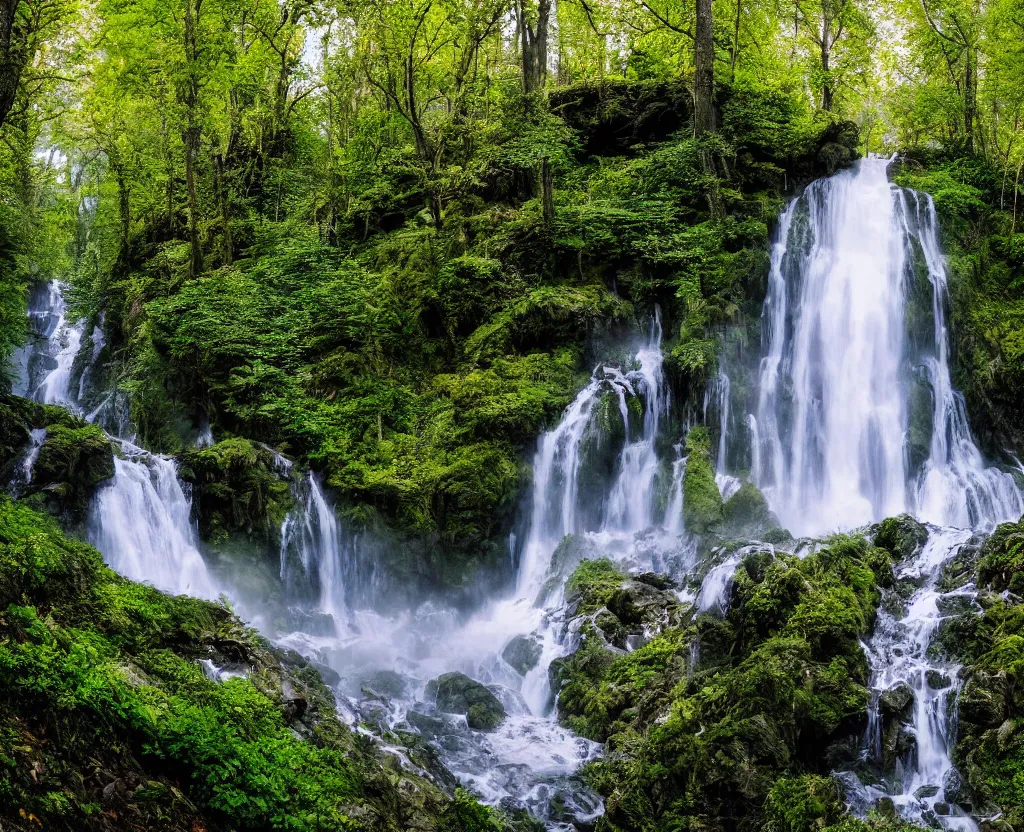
[[702, 501], [1001, 564], [456, 693], [746, 514], [522, 653], [72, 461], [738, 722], [237, 489], [902, 536]]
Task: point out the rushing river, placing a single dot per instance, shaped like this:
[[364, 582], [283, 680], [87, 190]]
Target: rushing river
[[827, 430]]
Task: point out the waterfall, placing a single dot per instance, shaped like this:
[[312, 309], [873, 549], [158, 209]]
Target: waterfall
[[831, 435], [833, 410], [141, 519], [311, 535], [140, 522], [898, 655]]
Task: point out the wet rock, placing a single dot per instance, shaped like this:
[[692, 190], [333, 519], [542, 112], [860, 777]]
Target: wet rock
[[385, 684], [937, 680], [886, 808], [925, 792], [983, 699], [657, 581], [747, 514], [610, 625], [522, 653], [637, 603], [456, 693], [902, 536], [896, 700], [429, 726], [330, 677], [941, 809], [294, 709], [956, 790]]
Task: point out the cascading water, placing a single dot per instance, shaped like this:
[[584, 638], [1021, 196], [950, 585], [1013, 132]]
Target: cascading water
[[834, 408], [140, 519], [830, 444], [140, 522]]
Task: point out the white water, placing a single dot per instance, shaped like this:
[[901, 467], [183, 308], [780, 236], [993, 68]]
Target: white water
[[140, 522], [833, 411], [830, 433]]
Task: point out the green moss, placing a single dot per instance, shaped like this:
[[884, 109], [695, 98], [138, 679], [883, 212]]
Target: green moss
[[1002, 559], [592, 585], [702, 501], [99, 684], [72, 461], [903, 536], [237, 490], [743, 736]]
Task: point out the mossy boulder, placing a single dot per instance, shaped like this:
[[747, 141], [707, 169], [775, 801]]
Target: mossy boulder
[[456, 693], [902, 536], [1001, 564], [237, 489], [702, 501], [747, 514], [72, 461]]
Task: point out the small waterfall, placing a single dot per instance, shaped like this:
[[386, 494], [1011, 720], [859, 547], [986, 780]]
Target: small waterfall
[[833, 409], [722, 387], [311, 535], [140, 522], [899, 658], [673, 520]]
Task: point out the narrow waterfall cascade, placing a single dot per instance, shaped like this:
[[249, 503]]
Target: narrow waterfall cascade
[[834, 408], [900, 662], [847, 386], [44, 366], [311, 535], [140, 522]]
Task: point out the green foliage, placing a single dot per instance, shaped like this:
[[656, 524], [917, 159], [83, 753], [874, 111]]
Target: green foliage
[[702, 501], [110, 668], [734, 720]]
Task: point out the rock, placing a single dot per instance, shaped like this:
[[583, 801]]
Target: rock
[[941, 809], [956, 790], [902, 536], [522, 653], [937, 680], [385, 684], [746, 513], [925, 792], [429, 726], [329, 675], [983, 699], [294, 709], [886, 807], [456, 693], [896, 700]]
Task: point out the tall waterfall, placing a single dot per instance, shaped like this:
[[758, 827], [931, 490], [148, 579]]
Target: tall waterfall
[[834, 409], [858, 260]]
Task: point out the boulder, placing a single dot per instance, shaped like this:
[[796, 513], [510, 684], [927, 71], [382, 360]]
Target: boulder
[[385, 684], [522, 653], [896, 700], [983, 699], [902, 536], [456, 693]]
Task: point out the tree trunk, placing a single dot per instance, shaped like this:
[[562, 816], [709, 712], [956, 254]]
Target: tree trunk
[[970, 99], [704, 71], [547, 192], [826, 82], [534, 44], [12, 58]]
